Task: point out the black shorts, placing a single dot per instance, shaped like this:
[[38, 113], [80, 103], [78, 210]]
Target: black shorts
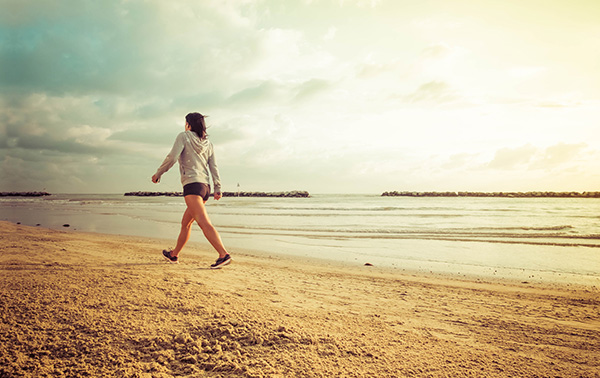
[[197, 189]]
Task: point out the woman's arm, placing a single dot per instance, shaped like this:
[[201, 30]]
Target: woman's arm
[[214, 172], [170, 159]]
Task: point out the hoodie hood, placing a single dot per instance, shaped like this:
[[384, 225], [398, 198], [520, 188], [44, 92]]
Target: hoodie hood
[[199, 145]]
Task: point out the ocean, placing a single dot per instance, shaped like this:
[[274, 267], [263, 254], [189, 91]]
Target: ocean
[[527, 239]]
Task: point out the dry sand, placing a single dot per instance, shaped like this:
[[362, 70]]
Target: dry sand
[[76, 304]]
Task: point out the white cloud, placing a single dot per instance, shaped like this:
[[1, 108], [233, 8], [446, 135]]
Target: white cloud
[[285, 54], [435, 23], [436, 51], [370, 68], [330, 35], [359, 3], [87, 134], [433, 92], [510, 158], [561, 153], [526, 72]]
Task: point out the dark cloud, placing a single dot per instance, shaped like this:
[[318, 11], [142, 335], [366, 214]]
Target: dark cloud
[[38, 143], [82, 47]]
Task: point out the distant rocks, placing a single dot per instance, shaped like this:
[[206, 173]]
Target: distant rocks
[[154, 194], [495, 194], [291, 194], [24, 194]]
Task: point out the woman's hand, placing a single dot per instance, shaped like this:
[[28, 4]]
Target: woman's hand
[[155, 179], [217, 196]]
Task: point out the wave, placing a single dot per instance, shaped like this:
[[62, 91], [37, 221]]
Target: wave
[[502, 234], [541, 240]]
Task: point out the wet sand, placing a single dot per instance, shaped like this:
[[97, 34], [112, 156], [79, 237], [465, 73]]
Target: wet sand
[[78, 304]]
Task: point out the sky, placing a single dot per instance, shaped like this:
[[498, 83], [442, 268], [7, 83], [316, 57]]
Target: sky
[[328, 96]]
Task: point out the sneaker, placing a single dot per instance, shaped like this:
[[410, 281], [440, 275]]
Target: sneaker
[[221, 261], [171, 259]]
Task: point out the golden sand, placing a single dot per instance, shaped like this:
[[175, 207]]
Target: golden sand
[[77, 304]]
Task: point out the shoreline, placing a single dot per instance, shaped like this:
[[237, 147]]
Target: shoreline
[[338, 257], [78, 303]]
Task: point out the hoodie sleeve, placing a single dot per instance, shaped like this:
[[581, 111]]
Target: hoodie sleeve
[[214, 170], [172, 156]]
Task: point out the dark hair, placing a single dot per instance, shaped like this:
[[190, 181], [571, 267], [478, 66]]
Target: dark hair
[[196, 122]]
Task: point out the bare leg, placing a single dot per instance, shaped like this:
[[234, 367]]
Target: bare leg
[[196, 208], [184, 234]]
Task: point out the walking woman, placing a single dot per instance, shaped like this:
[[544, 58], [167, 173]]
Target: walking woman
[[196, 158]]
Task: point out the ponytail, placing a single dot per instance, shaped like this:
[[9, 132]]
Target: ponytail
[[196, 122]]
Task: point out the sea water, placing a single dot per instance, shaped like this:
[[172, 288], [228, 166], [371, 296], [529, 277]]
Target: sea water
[[550, 239]]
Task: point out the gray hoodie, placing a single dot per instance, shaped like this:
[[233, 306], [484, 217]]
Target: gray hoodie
[[196, 157]]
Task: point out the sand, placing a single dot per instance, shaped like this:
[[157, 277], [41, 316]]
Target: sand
[[80, 304]]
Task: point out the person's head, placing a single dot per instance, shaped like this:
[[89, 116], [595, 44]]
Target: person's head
[[195, 123]]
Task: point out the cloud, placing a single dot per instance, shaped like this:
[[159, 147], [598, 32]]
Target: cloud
[[564, 101], [360, 3], [560, 153], [125, 47], [435, 24], [436, 51], [530, 157], [264, 91], [87, 134], [330, 35], [371, 68], [437, 92], [510, 158], [234, 130], [152, 136], [310, 88], [461, 160], [285, 54], [526, 72]]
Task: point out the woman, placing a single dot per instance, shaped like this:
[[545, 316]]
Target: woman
[[196, 157]]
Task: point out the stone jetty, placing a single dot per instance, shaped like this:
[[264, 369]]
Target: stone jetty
[[290, 194], [496, 194], [154, 194], [24, 194]]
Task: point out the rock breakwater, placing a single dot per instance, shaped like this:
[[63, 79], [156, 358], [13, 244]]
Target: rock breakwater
[[24, 194], [495, 194], [154, 194], [290, 194]]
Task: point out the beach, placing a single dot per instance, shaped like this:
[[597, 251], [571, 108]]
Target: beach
[[90, 304], [545, 240]]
